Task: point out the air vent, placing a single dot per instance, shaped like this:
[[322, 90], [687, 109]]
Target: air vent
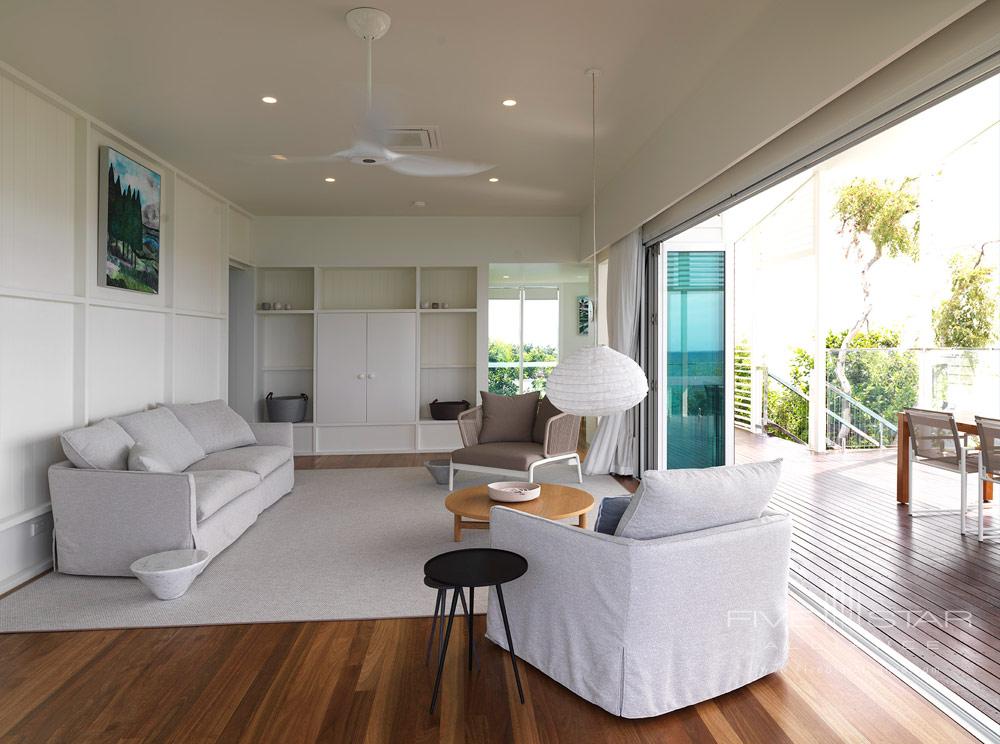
[[412, 139]]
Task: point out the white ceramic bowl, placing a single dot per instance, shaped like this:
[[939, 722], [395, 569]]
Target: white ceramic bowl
[[514, 491]]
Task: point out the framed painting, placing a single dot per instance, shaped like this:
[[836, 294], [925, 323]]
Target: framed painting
[[584, 313], [128, 250]]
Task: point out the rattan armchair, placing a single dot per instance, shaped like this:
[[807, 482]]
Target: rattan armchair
[[515, 459]]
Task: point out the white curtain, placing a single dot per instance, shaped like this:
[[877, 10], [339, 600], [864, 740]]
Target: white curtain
[[615, 448]]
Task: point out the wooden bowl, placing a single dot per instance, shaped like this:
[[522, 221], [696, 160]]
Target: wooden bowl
[[512, 492]]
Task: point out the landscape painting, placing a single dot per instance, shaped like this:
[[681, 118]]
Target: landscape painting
[[129, 224]]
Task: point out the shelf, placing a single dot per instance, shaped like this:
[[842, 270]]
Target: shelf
[[451, 422], [304, 424], [285, 312], [370, 310], [368, 288], [290, 368], [438, 311], [291, 285], [447, 366]]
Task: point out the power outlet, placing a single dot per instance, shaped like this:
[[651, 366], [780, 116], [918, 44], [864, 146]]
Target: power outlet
[[39, 526]]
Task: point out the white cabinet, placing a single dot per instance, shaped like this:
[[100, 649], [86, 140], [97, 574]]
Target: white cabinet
[[365, 368]]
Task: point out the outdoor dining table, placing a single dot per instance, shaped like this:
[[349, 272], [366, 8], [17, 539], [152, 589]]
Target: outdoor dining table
[[966, 423]]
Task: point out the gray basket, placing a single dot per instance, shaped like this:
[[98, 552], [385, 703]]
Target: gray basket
[[291, 408]]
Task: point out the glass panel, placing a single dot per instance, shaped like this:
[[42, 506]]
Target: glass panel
[[541, 336], [695, 343], [504, 360]]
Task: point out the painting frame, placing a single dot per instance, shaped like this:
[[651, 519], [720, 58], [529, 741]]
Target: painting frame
[[128, 224]]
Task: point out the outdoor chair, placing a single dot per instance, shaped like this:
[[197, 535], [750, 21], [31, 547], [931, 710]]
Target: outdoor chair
[[936, 442], [989, 471]]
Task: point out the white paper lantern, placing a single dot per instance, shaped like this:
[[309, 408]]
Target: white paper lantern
[[596, 381]]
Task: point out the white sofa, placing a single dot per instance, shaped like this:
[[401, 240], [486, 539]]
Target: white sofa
[[644, 627], [106, 515]]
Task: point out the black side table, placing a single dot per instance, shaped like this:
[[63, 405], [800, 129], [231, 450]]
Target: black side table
[[472, 568]]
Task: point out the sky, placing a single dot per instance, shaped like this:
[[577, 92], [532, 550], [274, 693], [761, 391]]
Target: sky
[[541, 321]]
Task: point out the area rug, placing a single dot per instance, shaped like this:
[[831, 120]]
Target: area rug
[[345, 544]]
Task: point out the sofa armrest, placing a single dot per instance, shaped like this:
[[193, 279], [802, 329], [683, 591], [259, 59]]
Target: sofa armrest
[[106, 519], [562, 435], [276, 433], [470, 423], [568, 613]]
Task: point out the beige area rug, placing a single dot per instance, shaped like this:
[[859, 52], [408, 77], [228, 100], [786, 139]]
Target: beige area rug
[[345, 544]]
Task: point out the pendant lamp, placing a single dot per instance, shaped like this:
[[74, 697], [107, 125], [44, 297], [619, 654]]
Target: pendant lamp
[[596, 380]]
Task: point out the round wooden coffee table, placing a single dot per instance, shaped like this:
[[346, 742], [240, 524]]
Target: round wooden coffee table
[[556, 502]]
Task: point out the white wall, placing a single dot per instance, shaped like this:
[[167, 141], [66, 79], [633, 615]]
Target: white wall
[[71, 351]]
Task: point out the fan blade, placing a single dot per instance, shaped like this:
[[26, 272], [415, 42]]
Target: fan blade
[[429, 166]]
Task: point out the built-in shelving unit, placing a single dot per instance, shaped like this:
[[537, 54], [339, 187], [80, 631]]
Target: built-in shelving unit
[[352, 408]]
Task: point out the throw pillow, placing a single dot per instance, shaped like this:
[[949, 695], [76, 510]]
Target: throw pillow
[[671, 502], [508, 418], [214, 425], [100, 446], [142, 459], [610, 512], [546, 410], [163, 434]]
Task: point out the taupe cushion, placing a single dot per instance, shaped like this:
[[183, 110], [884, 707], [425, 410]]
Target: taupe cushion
[[671, 502], [262, 459], [216, 488], [214, 425], [163, 434], [546, 410], [101, 446], [508, 418], [141, 459], [502, 455]]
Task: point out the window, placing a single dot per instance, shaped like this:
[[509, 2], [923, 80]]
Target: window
[[523, 338]]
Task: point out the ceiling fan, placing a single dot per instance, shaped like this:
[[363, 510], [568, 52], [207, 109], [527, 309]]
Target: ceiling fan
[[368, 149]]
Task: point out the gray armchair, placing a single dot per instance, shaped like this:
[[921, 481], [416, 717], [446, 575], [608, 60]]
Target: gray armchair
[[515, 459]]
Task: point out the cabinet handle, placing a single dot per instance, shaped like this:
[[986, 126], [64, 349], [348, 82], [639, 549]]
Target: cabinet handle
[[361, 376], [371, 376]]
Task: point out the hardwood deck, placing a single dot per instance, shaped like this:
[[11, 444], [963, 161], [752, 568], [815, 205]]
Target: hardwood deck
[[915, 583]]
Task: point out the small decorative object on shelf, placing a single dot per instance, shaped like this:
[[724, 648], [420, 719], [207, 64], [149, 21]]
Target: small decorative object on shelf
[[291, 408], [425, 305], [447, 410], [265, 306], [444, 305], [512, 492], [436, 305]]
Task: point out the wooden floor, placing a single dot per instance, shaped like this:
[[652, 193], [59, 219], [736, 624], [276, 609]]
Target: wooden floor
[[366, 681], [915, 583]]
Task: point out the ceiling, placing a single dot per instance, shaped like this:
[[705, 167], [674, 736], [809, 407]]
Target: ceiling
[[185, 78]]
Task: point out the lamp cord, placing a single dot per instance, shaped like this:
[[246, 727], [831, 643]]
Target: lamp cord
[[593, 198]]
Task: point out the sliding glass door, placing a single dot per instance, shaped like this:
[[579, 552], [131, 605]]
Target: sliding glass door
[[689, 343]]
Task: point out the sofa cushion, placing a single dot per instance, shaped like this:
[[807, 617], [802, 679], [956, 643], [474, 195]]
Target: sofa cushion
[[101, 446], [143, 460], [671, 502], [262, 459], [163, 434], [610, 512], [502, 455], [214, 489], [508, 418], [214, 425], [546, 410]]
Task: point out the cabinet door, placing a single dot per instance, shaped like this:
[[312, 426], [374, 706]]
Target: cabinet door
[[341, 369], [392, 361]]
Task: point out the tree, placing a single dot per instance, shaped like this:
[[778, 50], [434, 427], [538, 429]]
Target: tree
[[965, 320], [873, 215]]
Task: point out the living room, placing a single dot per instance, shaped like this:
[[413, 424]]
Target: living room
[[315, 319]]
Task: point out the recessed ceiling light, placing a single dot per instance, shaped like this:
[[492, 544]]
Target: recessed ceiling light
[[418, 203], [329, 180], [506, 276], [269, 99], [279, 157], [494, 179], [509, 102]]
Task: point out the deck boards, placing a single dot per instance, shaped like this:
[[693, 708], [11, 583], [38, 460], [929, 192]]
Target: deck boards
[[915, 583]]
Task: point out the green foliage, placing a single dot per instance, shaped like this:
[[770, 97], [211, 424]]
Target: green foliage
[[789, 411], [504, 380], [864, 207], [965, 320], [882, 377], [875, 338]]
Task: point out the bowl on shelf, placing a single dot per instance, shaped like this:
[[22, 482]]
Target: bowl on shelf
[[512, 492]]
